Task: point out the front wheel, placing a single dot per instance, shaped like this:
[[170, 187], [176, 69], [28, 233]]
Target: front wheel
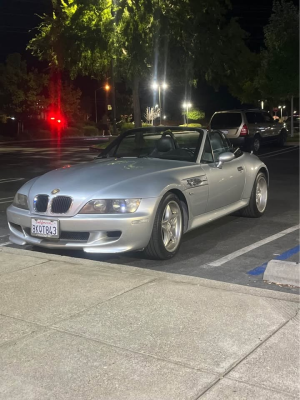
[[259, 197], [281, 139], [167, 229]]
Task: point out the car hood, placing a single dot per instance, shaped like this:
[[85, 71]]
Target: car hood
[[108, 178]]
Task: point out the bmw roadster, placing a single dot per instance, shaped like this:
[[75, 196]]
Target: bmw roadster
[[143, 192]]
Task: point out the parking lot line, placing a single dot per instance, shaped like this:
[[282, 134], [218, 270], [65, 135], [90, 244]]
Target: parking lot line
[[6, 200], [253, 246], [284, 256], [278, 152], [8, 180]]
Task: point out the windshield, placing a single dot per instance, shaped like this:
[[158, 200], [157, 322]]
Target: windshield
[[181, 145]]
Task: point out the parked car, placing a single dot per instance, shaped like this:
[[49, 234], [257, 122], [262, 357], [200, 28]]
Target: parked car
[[249, 129], [147, 188], [296, 120]]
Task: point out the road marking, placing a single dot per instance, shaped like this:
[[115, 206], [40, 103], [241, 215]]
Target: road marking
[[284, 256], [8, 180], [5, 244], [278, 152], [253, 246], [6, 200]]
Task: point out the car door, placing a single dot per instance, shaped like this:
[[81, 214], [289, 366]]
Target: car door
[[273, 128], [226, 184], [262, 126]]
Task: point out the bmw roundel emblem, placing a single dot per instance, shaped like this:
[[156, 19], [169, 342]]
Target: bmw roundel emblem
[[54, 191]]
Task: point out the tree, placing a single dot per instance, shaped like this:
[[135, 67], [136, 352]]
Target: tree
[[20, 89], [139, 38], [278, 77], [194, 114], [151, 114], [65, 100]]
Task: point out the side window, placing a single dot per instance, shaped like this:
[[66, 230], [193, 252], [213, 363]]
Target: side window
[[207, 156], [219, 144]]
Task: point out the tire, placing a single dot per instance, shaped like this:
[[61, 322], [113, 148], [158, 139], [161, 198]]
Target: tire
[[167, 233], [255, 209], [256, 144], [281, 139]]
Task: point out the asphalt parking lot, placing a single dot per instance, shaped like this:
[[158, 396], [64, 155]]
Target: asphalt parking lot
[[232, 249]]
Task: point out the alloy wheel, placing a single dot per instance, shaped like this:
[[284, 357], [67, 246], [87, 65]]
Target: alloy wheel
[[261, 194], [171, 226]]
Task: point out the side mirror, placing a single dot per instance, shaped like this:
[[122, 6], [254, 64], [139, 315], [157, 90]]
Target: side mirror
[[225, 157]]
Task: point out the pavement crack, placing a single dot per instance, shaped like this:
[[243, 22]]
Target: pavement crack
[[207, 371], [22, 269], [100, 303], [235, 364]]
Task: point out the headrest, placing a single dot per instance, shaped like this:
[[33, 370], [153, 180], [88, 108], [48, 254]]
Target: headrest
[[165, 144]]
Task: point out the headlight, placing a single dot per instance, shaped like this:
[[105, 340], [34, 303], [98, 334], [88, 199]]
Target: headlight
[[111, 206], [20, 201]]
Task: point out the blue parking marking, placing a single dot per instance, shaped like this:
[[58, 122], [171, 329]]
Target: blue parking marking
[[284, 256]]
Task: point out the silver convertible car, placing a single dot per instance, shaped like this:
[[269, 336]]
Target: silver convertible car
[[143, 192]]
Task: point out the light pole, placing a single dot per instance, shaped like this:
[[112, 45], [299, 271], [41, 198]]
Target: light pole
[[281, 108], [187, 105], [159, 86], [107, 88]]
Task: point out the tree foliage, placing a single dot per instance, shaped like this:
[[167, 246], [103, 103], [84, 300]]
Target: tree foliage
[[278, 77], [194, 114], [144, 38], [20, 89]]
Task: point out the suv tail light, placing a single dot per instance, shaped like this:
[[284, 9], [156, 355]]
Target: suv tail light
[[244, 131]]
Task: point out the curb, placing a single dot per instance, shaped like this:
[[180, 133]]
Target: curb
[[126, 269], [282, 272]]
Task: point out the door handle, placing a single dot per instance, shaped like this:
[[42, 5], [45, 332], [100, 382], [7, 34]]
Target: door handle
[[240, 169]]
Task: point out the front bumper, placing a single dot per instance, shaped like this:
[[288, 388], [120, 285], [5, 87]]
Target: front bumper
[[113, 233]]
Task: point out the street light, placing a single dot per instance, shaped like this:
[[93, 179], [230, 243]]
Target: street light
[[187, 105], [107, 88], [159, 86], [281, 108]]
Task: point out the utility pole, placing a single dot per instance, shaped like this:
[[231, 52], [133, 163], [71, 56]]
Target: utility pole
[[96, 111], [292, 116], [113, 88]]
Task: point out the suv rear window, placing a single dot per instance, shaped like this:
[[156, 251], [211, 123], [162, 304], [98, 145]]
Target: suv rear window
[[226, 120]]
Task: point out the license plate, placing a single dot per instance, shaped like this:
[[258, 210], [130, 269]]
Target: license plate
[[44, 228], [225, 132]]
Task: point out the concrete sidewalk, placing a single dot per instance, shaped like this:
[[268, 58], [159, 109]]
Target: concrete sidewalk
[[78, 329]]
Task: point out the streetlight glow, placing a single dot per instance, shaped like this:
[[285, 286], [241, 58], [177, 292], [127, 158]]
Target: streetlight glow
[[107, 87], [156, 85], [187, 105]]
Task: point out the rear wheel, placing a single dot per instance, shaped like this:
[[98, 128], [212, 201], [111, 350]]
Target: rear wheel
[[167, 229], [256, 144], [259, 197], [281, 139]]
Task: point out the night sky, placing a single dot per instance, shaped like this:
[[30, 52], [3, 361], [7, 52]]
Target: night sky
[[18, 18]]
